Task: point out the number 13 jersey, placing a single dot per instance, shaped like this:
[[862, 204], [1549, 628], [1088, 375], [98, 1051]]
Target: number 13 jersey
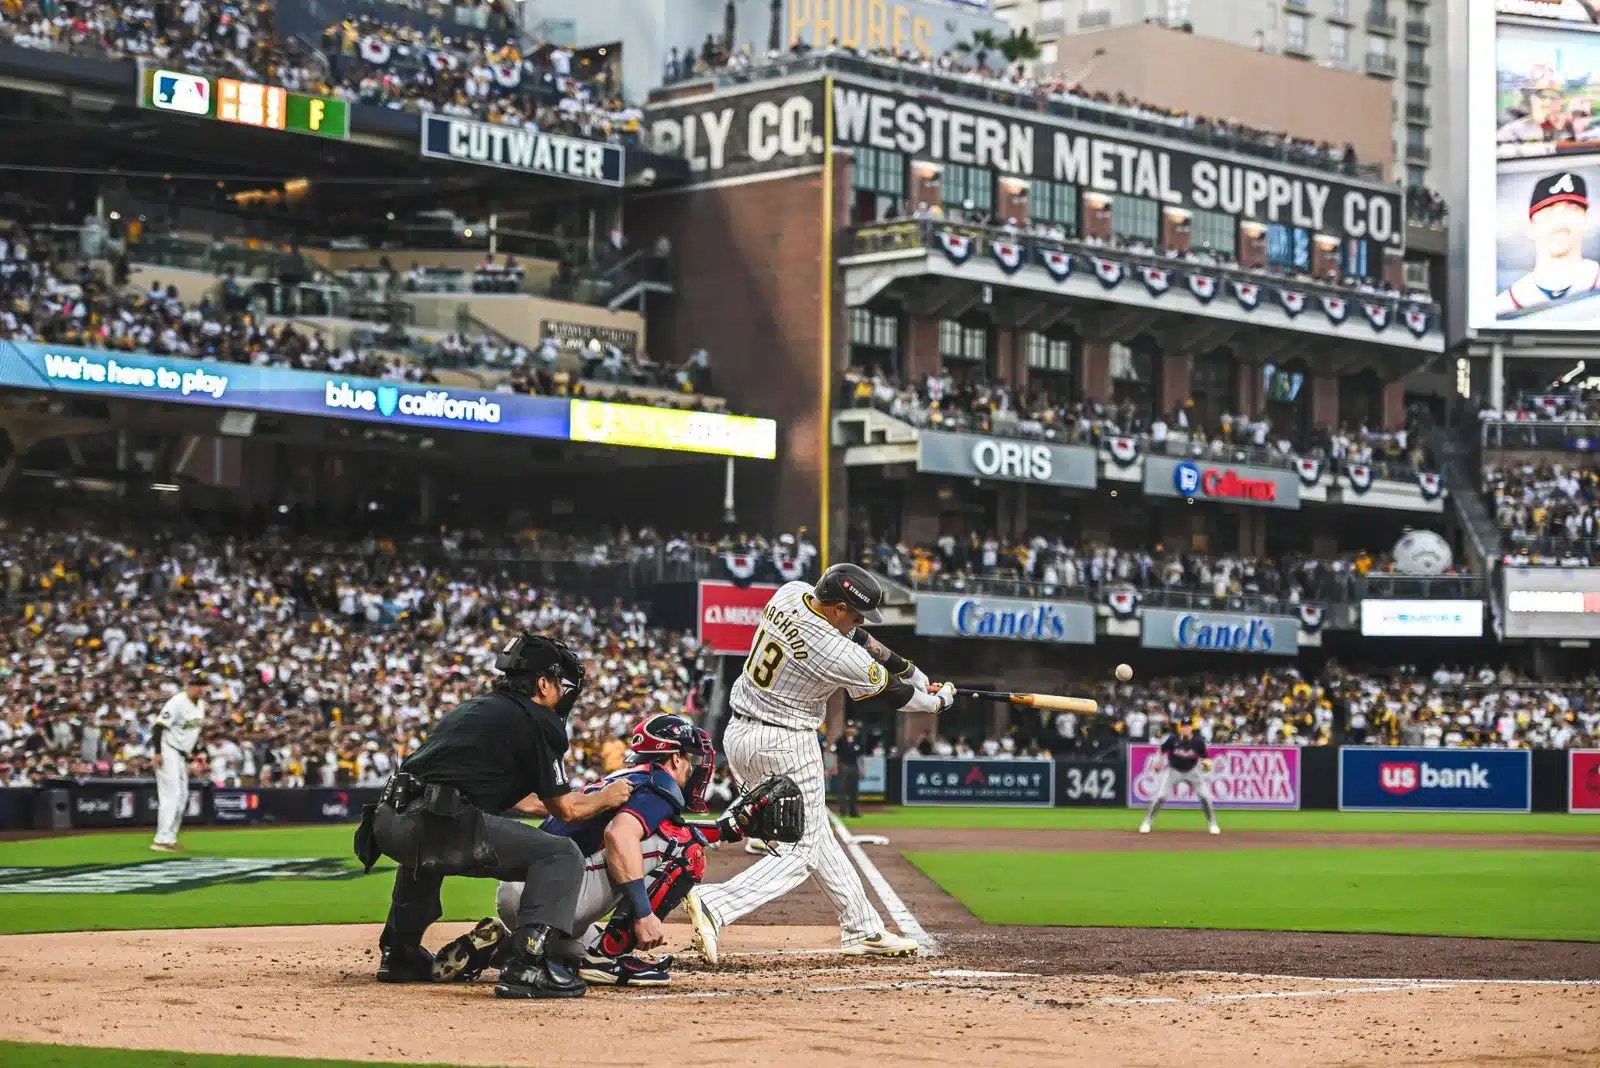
[[797, 661]]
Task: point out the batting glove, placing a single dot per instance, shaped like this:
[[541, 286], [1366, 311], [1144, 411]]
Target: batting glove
[[945, 694], [918, 680]]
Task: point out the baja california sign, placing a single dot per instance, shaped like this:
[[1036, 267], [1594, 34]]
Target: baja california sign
[[1242, 776]]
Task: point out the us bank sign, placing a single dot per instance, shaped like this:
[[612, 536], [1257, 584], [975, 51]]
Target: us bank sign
[[1040, 463]]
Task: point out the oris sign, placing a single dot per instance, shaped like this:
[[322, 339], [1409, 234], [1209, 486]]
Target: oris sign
[[1039, 463], [1166, 476]]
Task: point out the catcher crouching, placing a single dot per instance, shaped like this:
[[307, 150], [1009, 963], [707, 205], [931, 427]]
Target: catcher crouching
[[640, 861]]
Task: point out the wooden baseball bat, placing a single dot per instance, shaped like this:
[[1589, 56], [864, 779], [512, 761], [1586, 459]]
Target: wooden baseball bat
[[1044, 701]]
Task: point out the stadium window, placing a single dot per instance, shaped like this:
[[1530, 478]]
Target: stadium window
[[1054, 202], [1050, 366], [1416, 175], [1048, 54], [962, 343], [1294, 33], [963, 183], [874, 340], [1213, 231], [881, 172], [1177, 12], [1135, 217]]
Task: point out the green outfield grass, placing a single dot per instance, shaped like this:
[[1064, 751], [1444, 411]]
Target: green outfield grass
[[33, 1055], [1473, 893], [1126, 819]]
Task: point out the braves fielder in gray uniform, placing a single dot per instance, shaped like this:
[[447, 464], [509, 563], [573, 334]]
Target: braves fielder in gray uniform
[[1184, 755], [809, 646]]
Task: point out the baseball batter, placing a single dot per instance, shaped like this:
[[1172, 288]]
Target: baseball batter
[[177, 729], [1183, 760], [809, 645], [1558, 220]]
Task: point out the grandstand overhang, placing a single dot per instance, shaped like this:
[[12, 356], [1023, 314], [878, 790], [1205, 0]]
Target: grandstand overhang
[[1112, 296]]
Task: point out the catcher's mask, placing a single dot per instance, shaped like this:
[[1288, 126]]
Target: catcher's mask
[[657, 738]]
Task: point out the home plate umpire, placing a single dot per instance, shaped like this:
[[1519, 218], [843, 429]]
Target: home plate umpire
[[437, 817]]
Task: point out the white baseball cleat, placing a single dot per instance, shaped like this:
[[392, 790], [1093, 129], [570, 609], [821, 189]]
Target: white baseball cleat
[[165, 847], [883, 944], [705, 928], [1144, 828], [1214, 829]]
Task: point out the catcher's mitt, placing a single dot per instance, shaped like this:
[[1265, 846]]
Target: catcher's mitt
[[773, 811]]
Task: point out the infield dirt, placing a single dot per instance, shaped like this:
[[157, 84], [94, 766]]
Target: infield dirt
[[1020, 996]]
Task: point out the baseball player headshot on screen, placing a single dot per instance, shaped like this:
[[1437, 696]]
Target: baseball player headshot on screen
[[810, 644], [1558, 218]]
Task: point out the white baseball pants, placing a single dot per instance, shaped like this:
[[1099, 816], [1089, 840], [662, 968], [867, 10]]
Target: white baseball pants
[[755, 751], [1195, 779], [172, 794], [598, 896]]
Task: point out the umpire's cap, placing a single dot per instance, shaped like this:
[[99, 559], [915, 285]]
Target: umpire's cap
[[850, 585]]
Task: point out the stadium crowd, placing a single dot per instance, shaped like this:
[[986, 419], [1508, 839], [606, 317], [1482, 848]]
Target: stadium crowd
[[954, 401], [1040, 566], [326, 660], [1548, 513], [366, 59]]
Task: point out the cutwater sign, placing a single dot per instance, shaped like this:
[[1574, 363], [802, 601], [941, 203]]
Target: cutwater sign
[[1384, 778], [1204, 480], [1041, 463], [977, 781], [515, 148], [1217, 632], [948, 615]]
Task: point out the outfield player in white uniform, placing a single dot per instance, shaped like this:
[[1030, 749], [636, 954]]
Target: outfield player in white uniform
[[173, 739], [808, 647], [1186, 761]]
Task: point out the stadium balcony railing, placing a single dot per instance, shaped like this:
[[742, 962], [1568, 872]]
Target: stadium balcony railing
[[1548, 435], [1177, 444], [924, 233], [1348, 589], [1078, 109]]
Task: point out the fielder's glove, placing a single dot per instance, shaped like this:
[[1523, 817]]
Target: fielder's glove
[[773, 811], [945, 695]]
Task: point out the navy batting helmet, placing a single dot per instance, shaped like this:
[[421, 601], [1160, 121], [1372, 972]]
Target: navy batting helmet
[[657, 738], [854, 586]]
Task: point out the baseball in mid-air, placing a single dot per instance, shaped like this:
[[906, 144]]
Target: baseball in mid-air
[[1124, 672]]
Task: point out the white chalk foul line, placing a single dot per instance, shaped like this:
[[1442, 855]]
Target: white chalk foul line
[[897, 909], [774, 991], [1348, 979]]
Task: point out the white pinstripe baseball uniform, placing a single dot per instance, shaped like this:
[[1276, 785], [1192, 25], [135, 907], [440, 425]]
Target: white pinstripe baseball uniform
[[797, 662]]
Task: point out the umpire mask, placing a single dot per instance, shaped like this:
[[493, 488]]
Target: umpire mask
[[536, 656]]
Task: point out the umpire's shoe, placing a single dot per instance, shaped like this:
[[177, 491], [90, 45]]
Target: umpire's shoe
[[405, 963], [485, 946], [531, 973], [626, 970]]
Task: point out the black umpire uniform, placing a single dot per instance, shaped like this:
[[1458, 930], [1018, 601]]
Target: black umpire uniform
[[438, 817]]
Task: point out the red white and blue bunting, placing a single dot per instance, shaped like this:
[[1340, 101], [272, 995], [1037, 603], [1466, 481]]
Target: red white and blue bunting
[[1111, 269], [1124, 603], [1124, 451], [1008, 255], [1310, 470], [1431, 485], [789, 568], [1311, 616], [958, 247], [374, 50], [741, 567], [1058, 263], [1359, 476]]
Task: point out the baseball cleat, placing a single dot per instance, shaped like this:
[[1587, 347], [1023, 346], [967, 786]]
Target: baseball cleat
[[538, 977], [1214, 829], [626, 970], [759, 848], [165, 847], [705, 928], [1144, 828], [463, 960], [882, 944]]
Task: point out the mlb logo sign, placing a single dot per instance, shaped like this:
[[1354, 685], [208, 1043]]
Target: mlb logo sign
[[176, 91], [1399, 778]]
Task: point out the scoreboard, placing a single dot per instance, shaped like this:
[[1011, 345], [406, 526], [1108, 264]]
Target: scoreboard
[[268, 107]]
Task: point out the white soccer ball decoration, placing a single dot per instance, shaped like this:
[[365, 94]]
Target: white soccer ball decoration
[[1422, 552]]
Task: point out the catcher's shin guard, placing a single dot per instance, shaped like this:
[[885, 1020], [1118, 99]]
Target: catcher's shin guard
[[669, 885]]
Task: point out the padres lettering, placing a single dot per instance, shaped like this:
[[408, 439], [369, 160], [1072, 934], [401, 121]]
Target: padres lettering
[[865, 24]]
